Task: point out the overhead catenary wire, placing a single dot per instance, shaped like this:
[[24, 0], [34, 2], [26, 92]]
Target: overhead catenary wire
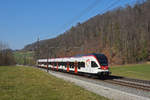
[[116, 3], [86, 10], [112, 4]]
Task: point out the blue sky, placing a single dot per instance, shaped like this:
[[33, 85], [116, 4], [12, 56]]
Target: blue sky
[[22, 21]]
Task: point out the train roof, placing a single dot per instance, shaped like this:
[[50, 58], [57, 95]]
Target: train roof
[[95, 54], [81, 55]]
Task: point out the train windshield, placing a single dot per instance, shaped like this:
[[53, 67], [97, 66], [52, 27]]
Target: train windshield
[[102, 59]]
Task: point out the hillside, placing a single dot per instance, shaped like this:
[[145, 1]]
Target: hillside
[[122, 34]]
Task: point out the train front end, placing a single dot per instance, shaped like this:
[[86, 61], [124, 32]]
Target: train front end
[[103, 65]]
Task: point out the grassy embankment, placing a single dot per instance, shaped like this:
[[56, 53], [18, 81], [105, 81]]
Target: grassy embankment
[[25, 83], [138, 71]]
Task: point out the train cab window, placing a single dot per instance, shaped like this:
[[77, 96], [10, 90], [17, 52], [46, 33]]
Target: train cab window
[[102, 60], [93, 64]]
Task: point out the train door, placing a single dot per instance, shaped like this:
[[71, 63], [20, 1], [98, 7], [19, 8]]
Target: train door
[[67, 66], [88, 65], [75, 67]]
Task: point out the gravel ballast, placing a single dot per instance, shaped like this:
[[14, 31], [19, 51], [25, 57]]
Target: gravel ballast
[[104, 89]]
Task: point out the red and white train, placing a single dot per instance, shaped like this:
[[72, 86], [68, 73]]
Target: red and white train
[[93, 64]]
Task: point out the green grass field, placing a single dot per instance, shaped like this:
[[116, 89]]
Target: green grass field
[[24, 57], [26, 83], [139, 71]]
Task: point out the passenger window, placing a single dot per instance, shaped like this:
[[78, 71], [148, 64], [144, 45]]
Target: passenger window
[[71, 64], [81, 64], [93, 64]]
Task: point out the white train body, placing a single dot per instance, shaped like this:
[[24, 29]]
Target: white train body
[[96, 64]]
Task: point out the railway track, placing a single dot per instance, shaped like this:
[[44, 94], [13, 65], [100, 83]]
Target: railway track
[[129, 82], [144, 87], [122, 81]]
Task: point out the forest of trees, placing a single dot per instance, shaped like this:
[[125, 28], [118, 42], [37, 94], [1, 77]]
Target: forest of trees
[[6, 55], [123, 35]]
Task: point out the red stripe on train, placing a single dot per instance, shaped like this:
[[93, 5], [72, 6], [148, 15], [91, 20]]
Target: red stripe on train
[[76, 67], [67, 66]]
